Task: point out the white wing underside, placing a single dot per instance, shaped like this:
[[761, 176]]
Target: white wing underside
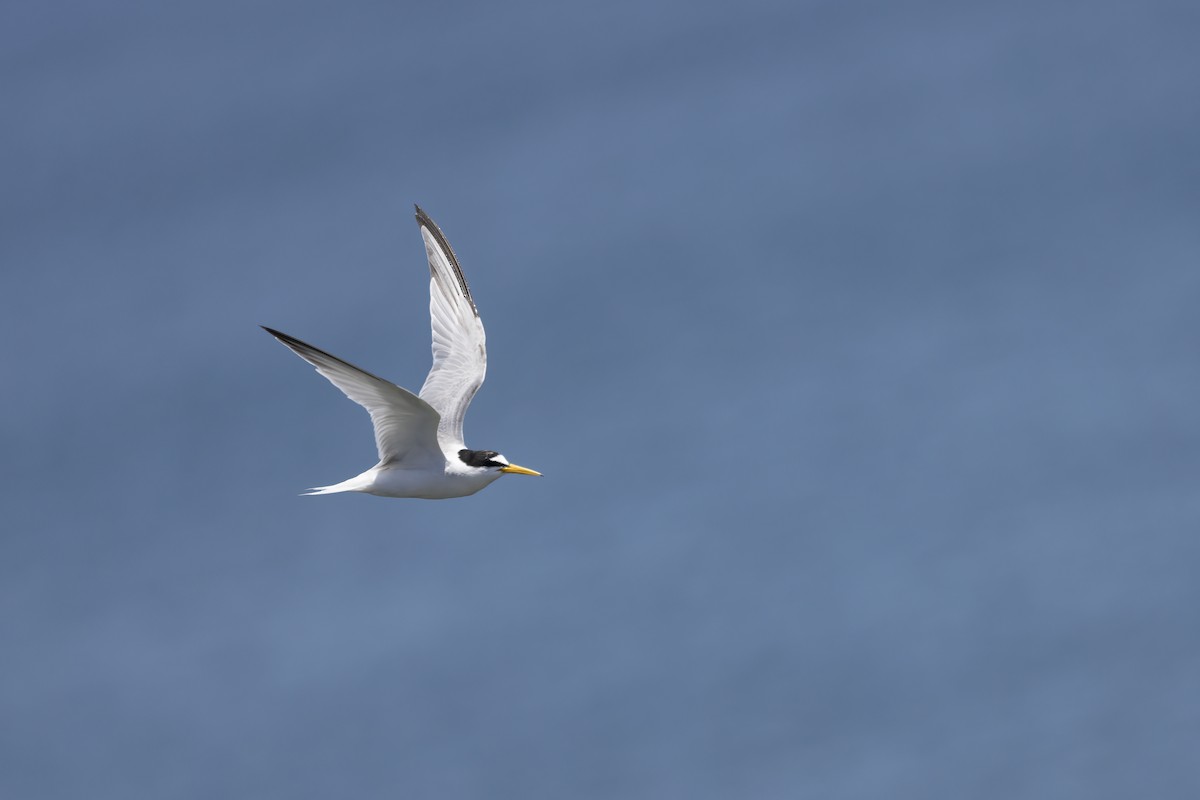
[[459, 346], [406, 427]]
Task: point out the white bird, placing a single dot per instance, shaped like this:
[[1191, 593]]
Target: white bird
[[419, 438]]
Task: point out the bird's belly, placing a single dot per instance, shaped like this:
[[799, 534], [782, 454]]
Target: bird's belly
[[427, 485]]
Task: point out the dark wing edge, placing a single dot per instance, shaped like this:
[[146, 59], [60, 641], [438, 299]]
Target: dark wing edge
[[424, 221]]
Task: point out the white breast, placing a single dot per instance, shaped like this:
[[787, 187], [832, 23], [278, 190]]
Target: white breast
[[400, 482]]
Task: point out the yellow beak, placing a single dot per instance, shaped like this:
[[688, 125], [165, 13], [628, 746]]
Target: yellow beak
[[515, 470]]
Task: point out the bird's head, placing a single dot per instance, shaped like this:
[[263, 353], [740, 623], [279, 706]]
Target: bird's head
[[491, 461]]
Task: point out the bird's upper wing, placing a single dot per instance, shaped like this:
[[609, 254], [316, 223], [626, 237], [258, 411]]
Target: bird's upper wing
[[405, 425], [459, 348]]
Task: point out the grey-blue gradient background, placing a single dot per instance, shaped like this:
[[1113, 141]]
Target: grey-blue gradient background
[[859, 344]]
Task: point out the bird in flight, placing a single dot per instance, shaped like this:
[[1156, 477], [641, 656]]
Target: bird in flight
[[419, 437]]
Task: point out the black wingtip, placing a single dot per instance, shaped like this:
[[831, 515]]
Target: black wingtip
[[290, 341], [424, 221], [313, 355]]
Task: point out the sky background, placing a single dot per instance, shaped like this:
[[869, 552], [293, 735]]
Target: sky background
[[858, 342]]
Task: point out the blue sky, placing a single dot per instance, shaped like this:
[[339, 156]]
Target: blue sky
[[857, 343]]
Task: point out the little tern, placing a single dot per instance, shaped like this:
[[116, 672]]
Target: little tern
[[419, 437]]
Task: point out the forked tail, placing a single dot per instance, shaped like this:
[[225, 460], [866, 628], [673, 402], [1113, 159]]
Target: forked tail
[[359, 483]]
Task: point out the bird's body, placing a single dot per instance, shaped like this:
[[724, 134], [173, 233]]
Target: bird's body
[[419, 438], [409, 481]]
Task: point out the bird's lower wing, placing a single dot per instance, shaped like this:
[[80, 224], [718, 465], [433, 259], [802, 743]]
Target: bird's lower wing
[[405, 425]]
